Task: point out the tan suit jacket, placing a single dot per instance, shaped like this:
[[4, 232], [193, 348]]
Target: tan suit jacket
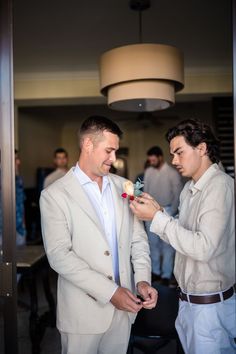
[[78, 251]]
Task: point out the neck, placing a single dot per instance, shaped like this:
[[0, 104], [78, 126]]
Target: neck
[[204, 166], [84, 167]]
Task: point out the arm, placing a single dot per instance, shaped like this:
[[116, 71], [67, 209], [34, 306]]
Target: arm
[[140, 257], [209, 239], [62, 258], [216, 210], [140, 253]]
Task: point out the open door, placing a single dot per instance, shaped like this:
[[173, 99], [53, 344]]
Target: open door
[[8, 293]]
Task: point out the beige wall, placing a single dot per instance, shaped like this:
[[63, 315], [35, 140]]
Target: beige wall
[[38, 137], [43, 129]]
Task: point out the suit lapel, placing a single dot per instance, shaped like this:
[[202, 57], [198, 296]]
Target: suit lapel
[[118, 202], [77, 193]]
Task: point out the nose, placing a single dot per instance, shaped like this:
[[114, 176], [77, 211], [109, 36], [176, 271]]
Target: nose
[[175, 160], [113, 156]]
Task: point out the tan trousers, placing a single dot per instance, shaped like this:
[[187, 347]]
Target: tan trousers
[[113, 341]]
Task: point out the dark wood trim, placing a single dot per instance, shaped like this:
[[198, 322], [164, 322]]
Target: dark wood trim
[[8, 171]]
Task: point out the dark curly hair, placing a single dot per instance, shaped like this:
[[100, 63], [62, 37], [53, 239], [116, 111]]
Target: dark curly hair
[[196, 132]]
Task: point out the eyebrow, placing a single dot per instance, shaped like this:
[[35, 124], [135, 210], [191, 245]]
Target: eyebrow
[[176, 150], [111, 148]]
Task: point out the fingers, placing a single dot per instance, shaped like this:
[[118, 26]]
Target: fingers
[[124, 300], [143, 208], [151, 303], [143, 289], [149, 295], [146, 195], [146, 200]]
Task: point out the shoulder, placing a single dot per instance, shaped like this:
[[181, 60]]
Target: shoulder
[[117, 179], [171, 170], [149, 172], [49, 179], [59, 183], [220, 179], [50, 175]]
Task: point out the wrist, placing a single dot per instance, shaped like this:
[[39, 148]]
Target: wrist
[[142, 283]]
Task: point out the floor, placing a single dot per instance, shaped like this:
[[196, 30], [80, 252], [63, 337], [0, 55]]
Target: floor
[[51, 340]]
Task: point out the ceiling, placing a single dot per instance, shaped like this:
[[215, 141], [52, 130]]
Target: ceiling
[[52, 36]]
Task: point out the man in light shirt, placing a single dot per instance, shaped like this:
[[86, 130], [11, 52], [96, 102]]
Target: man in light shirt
[[97, 246], [164, 183], [204, 239], [61, 167]]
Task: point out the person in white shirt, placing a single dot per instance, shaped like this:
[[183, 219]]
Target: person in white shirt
[[164, 183], [204, 239], [97, 246], [61, 167]]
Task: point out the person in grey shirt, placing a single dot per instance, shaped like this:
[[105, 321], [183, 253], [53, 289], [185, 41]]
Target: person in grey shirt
[[164, 183], [61, 167], [204, 239]]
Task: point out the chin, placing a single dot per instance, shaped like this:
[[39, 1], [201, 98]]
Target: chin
[[105, 173]]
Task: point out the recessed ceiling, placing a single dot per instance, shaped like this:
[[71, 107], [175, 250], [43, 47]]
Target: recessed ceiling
[[54, 36]]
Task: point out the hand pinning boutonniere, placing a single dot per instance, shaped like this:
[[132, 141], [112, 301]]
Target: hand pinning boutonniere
[[132, 190]]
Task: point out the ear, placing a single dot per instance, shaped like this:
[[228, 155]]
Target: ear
[[87, 144], [202, 147]]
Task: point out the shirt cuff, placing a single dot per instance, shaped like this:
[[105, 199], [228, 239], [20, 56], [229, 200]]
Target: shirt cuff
[[159, 222], [117, 286]]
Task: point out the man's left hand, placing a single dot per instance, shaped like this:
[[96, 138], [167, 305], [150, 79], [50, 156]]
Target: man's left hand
[[148, 293]]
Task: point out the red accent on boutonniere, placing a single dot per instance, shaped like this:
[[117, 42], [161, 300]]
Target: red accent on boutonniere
[[125, 195]]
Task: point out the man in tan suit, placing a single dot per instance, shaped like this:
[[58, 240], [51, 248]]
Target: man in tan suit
[[98, 248]]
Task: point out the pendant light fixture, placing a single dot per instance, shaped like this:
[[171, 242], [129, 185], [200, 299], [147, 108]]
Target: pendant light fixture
[[141, 77]]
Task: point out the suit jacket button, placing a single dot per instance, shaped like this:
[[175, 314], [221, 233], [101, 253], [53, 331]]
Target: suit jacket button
[[107, 253], [109, 277]]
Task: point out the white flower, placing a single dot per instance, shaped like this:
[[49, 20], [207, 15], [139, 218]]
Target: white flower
[[128, 187]]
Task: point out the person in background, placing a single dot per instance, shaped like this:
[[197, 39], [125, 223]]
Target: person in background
[[97, 246], [164, 183], [20, 199], [140, 176], [204, 239], [20, 210], [61, 166]]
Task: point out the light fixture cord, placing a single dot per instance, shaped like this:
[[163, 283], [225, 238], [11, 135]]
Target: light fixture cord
[[140, 27]]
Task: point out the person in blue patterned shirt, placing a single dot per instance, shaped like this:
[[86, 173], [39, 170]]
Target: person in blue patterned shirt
[[20, 212]]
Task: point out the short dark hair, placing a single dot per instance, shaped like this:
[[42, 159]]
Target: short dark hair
[[196, 132], [60, 151], [98, 124], [155, 150]]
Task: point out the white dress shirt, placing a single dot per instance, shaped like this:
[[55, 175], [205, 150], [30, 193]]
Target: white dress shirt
[[103, 204], [204, 234]]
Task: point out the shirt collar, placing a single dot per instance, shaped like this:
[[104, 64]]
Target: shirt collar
[[204, 179], [84, 179]]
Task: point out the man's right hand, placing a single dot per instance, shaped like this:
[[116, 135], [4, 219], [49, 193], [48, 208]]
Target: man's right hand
[[124, 300]]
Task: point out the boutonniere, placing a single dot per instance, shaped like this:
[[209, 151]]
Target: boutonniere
[[132, 190]]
